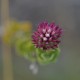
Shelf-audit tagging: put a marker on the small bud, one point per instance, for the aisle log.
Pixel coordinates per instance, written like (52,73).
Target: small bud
(44,38)
(47,35)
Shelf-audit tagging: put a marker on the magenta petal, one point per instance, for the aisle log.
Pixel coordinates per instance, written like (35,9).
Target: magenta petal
(52,25)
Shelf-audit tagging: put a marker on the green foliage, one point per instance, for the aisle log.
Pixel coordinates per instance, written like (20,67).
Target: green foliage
(45,57)
(25,48)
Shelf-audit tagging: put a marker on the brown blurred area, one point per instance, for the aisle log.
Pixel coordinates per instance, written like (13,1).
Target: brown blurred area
(66,13)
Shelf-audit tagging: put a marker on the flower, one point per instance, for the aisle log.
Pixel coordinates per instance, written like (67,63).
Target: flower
(47,36)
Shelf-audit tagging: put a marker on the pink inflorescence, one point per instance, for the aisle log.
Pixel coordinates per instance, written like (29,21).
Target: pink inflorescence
(47,36)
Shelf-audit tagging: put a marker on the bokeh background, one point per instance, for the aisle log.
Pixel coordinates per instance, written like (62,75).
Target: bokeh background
(66,13)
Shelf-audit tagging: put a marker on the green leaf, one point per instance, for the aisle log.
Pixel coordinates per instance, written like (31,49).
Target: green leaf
(25,48)
(45,57)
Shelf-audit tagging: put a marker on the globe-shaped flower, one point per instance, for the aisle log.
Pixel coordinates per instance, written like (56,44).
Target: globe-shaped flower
(47,36)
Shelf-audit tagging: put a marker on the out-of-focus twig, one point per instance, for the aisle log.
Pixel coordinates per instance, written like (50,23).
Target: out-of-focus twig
(7,62)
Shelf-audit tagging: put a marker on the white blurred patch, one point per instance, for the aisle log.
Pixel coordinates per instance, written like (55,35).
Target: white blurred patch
(34,68)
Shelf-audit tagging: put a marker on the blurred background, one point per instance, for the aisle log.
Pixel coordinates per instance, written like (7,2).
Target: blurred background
(66,13)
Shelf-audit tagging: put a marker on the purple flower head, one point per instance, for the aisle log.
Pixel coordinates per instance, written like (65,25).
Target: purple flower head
(47,36)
